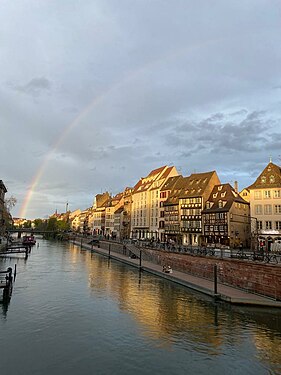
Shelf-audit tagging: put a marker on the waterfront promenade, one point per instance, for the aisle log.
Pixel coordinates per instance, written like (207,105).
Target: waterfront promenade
(223,293)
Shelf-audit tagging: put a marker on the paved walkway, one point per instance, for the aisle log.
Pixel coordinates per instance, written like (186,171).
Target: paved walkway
(224,292)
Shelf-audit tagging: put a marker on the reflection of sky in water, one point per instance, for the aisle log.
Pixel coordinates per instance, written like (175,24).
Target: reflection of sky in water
(74,304)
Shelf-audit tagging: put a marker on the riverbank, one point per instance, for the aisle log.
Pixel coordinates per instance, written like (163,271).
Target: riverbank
(219,291)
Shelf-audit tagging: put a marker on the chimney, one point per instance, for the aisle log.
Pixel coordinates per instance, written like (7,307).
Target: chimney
(236,186)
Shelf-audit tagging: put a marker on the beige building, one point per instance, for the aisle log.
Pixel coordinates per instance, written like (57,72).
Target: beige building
(146,203)
(265,201)
(98,213)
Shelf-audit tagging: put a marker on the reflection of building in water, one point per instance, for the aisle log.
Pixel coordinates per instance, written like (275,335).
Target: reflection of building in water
(164,310)
(269,348)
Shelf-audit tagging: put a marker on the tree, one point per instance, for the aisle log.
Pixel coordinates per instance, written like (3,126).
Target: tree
(10,203)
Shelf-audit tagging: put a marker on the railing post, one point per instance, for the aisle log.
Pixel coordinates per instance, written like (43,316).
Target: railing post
(215,279)
(15,272)
(81,242)
(109,248)
(140,259)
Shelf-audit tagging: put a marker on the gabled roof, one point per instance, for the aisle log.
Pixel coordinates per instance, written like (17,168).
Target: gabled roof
(171,182)
(196,184)
(3,187)
(146,183)
(269,178)
(178,189)
(223,193)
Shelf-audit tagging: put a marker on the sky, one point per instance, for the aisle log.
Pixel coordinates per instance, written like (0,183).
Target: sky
(94,94)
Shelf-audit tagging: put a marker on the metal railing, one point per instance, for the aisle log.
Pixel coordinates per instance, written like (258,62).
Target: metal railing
(272,257)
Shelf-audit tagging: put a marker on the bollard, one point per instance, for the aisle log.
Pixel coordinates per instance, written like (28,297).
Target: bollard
(215,279)
(15,272)
(109,250)
(140,259)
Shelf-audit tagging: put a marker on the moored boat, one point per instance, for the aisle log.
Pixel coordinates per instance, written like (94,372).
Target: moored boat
(29,240)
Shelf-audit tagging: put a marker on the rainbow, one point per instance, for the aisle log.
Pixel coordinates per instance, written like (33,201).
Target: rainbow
(36,178)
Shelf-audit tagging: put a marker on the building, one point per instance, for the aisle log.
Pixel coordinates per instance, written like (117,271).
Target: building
(265,201)
(145,202)
(125,218)
(226,218)
(3,191)
(98,211)
(171,192)
(193,196)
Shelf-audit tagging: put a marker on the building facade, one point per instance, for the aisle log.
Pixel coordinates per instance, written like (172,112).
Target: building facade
(198,187)
(3,191)
(265,201)
(146,203)
(226,218)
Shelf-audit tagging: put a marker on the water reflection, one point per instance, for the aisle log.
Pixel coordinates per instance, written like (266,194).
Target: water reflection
(4,305)
(176,316)
(70,304)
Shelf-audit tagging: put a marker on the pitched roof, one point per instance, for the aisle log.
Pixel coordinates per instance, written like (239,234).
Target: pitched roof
(171,182)
(223,193)
(146,183)
(196,184)
(178,189)
(269,178)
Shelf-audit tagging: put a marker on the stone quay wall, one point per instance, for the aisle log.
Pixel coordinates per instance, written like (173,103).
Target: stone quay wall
(255,277)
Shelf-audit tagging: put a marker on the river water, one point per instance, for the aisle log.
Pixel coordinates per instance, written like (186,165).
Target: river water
(73,312)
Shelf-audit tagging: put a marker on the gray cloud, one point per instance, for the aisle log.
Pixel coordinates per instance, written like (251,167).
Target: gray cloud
(102,92)
(34,87)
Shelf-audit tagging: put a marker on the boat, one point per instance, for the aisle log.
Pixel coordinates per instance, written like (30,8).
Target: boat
(29,240)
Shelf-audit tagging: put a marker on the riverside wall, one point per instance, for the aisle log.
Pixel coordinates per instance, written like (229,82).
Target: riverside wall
(255,277)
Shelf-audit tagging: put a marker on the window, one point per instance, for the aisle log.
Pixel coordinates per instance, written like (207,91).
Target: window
(278,225)
(263,179)
(220,204)
(268,225)
(258,209)
(215,195)
(271,179)
(267,209)
(259,224)
(266,194)
(276,194)
(257,194)
(277,209)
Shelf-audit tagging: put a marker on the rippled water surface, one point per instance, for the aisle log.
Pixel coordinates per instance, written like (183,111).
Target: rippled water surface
(73,312)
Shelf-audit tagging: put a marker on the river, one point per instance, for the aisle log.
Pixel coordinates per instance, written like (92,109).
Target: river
(73,312)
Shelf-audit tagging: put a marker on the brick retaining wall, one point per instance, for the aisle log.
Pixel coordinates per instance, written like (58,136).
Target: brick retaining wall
(254,277)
